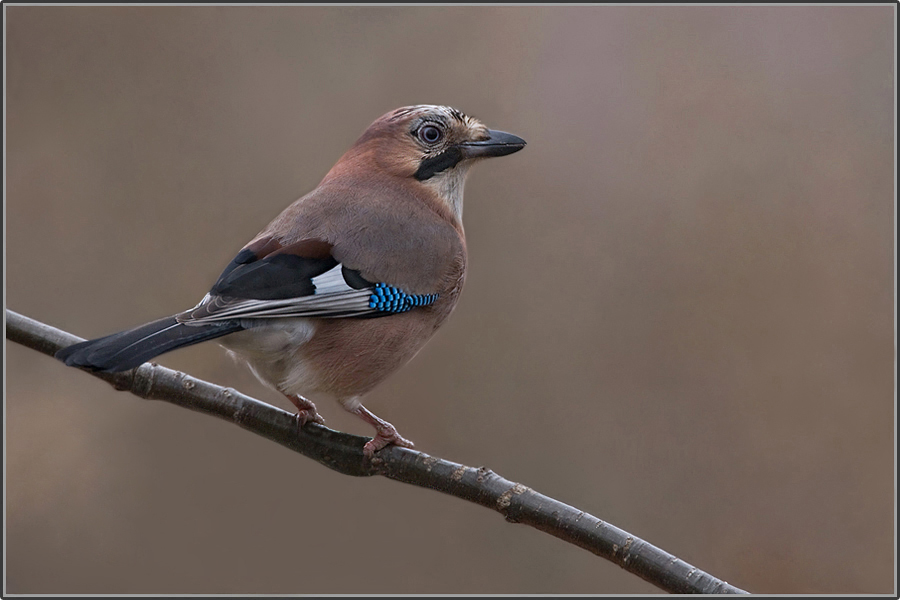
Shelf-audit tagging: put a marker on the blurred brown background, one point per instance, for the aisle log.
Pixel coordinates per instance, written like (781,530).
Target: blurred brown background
(679,313)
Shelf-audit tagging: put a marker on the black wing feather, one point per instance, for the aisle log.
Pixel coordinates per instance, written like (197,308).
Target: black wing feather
(272,278)
(281,274)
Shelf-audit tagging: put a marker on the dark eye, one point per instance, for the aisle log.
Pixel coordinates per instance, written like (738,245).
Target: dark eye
(430,134)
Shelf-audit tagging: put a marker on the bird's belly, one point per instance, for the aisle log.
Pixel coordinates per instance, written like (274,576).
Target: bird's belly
(339,358)
(271,348)
(351,356)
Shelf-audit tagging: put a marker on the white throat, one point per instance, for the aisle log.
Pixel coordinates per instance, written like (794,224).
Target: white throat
(449,187)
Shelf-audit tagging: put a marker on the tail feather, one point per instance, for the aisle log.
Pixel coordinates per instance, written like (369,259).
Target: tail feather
(128,349)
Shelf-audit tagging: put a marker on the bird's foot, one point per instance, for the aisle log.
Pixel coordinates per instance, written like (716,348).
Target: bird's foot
(384,438)
(305,416)
(385,433)
(306,411)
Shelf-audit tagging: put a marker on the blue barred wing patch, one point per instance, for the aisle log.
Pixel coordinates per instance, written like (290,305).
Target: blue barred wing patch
(387,298)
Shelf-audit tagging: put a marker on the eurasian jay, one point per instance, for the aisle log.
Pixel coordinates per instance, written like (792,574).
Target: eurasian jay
(348,283)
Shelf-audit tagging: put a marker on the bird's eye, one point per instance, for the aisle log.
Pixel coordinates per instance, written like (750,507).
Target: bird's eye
(430,134)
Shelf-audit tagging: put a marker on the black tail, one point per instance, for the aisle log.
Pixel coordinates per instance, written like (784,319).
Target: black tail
(128,349)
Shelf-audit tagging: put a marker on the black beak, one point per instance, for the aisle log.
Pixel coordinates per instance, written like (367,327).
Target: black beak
(499,143)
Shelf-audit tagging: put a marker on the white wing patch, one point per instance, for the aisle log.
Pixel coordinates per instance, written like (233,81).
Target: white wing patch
(332,282)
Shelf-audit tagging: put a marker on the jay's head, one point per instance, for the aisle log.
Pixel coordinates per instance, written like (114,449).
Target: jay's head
(427,145)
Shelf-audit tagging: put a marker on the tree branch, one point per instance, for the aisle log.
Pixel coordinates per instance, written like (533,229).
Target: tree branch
(343,453)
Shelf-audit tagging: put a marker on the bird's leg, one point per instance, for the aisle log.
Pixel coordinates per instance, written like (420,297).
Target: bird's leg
(385,433)
(306,410)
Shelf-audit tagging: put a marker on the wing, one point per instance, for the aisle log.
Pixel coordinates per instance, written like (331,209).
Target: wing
(270,280)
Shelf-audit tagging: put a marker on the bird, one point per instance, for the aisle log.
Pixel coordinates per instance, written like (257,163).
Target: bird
(349,281)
